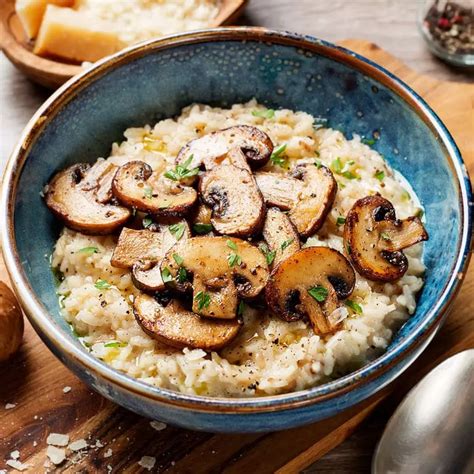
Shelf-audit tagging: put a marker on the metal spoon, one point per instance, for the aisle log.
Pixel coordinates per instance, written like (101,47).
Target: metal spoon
(432,431)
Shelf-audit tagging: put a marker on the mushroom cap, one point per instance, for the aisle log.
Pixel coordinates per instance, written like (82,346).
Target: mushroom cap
(280,235)
(374,238)
(209,258)
(308,193)
(237,203)
(11,323)
(146,276)
(211,149)
(76,195)
(135,185)
(287,289)
(177,327)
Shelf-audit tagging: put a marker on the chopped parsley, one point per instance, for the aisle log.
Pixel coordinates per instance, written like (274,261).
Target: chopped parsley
(420,213)
(58,275)
(241,308)
(202,228)
(88,250)
(177,230)
(147,222)
(368,141)
(340,220)
(318,163)
(102,284)
(166,275)
(319,293)
(178,259)
(203,300)
(182,171)
(268,113)
(356,307)
(380,175)
(148,192)
(234,259)
(385,236)
(182,275)
(277,157)
(286,244)
(115,344)
(231,245)
(344,169)
(269,255)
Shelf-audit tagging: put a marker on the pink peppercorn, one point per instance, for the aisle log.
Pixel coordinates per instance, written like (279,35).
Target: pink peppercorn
(444,23)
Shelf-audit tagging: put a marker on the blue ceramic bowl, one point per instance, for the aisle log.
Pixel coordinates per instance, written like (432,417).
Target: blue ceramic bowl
(155,80)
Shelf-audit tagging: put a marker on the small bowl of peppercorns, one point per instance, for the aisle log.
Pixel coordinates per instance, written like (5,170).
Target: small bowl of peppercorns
(448,28)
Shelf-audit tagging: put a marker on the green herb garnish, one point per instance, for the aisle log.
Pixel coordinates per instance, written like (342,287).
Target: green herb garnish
(202,228)
(203,300)
(234,259)
(318,163)
(268,114)
(58,275)
(182,171)
(277,158)
(115,344)
(340,220)
(177,230)
(343,170)
(231,245)
(269,255)
(102,284)
(368,141)
(420,213)
(380,175)
(182,275)
(148,192)
(166,275)
(385,236)
(286,244)
(178,259)
(147,222)
(88,250)
(319,293)
(357,308)
(241,308)
(336,165)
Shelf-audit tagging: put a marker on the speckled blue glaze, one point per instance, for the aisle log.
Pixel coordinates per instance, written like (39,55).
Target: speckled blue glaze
(154,81)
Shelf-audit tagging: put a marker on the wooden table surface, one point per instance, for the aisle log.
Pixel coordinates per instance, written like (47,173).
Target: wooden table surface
(389,23)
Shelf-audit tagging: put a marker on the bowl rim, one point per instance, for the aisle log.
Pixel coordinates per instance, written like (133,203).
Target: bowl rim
(61,343)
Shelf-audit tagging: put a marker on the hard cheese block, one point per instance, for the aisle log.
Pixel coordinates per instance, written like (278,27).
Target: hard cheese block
(30,13)
(76,36)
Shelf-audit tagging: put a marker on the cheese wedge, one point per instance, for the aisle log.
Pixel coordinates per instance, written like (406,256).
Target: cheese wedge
(30,13)
(75,36)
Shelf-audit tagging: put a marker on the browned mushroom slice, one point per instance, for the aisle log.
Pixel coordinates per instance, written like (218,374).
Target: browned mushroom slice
(146,276)
(99,179)
(237,204)
(218,271)
(374,238)
(137,245)
(279,190)
(135,185)
(177,327)
(212,149)
(310,284)
(79,206)
(308,194)
(280,235)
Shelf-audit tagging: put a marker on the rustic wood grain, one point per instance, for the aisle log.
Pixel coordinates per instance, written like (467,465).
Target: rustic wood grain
(34,379)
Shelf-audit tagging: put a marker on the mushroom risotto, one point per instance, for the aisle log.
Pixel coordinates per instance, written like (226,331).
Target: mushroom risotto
(236,252)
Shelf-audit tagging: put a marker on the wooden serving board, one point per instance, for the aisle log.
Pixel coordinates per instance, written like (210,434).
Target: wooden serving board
(34,380)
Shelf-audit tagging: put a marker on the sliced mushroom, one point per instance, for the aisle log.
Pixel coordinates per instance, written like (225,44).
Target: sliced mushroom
(237,204)
(212,149)
(308,194)
(219,270)
(77,196)
(11,323)
(310,284)
(135,185)
(177,327)
(137,245)
(374,238)
(280,236)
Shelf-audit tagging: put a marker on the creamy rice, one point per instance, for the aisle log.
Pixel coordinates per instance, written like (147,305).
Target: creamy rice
(269,356)
(138,20)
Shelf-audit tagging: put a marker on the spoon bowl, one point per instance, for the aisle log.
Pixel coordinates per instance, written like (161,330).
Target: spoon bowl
(433,428)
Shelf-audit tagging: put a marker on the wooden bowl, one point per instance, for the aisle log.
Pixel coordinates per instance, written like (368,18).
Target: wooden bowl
(51,72)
